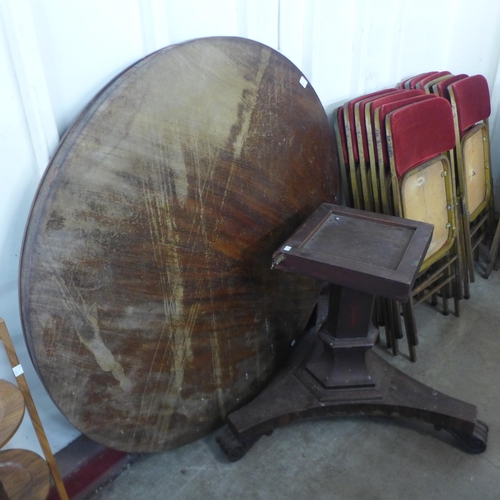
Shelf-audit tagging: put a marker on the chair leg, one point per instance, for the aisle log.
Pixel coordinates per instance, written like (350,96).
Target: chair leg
(411,329)
(445,290)
(456,299)
(496,267)
(493,253)
(395,326)
(457,288)
(387,322)
(491,224)
(450,287)
(444,293)
(397,317)
(464,237)
(454,285)
(379,312)
(468,246)
(476,254)
(459,265)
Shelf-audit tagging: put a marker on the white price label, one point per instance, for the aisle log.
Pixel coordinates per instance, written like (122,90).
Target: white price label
(18,370)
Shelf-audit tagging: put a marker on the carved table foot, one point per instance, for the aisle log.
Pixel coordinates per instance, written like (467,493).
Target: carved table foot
(235,446)
(474,442)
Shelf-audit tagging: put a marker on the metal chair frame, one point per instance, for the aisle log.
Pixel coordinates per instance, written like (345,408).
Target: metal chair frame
(478,222)
(440,271)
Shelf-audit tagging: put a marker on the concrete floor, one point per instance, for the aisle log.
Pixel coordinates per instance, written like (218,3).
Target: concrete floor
(362,457)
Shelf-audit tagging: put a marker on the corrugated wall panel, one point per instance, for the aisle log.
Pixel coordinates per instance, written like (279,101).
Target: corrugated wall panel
(83,45)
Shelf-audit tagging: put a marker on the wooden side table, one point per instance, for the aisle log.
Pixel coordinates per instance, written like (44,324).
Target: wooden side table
(335,372)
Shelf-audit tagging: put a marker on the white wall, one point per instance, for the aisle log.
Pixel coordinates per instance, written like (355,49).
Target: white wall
(56,54)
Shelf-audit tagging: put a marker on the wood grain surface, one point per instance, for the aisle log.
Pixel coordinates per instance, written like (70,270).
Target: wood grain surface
(11,410)
(33,412)
(147,299)
(24,475)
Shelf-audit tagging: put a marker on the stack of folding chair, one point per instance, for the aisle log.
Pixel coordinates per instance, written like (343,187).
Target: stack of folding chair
(421,151)
(441,87)
(378,176)
(470,100)
(425,81)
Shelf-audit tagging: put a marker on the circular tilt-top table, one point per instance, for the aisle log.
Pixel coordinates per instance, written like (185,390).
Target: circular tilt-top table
(147,300)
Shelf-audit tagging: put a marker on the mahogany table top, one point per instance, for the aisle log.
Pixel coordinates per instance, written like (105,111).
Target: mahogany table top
(147,299)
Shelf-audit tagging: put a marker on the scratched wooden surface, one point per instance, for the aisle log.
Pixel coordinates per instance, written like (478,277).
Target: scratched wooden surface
(147,299)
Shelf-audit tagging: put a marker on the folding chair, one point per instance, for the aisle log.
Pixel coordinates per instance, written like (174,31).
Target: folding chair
(419,138)
(356,172)
(410,83)
(425,83)
(379,114)
(345,129)
(441,88)
(470,101)
(378,110)
(341,140)
(368,169)
(387,311)
(359,177)
(369,139)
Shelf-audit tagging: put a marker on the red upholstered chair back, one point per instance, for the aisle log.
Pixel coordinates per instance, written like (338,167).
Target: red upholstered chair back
(411,83)
(421,83)
(472,98)
(405,84)
(442,87)
(394,97)
(350,117)
(387,108)
(420,132)
(388,99)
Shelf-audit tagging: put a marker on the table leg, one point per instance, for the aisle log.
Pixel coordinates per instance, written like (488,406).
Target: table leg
(336,373)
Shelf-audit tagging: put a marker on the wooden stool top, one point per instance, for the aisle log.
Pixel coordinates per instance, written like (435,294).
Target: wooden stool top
(374,253)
